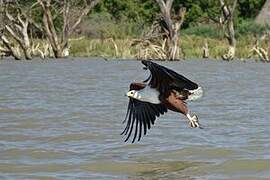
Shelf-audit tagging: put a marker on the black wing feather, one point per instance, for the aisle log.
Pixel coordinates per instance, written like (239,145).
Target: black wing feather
(141,115)
(129,116)
(133,119)
(144,123)
(136,130)
(164,79)
(140,130)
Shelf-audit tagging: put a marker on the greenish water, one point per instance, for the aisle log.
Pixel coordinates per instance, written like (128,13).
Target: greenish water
(62,120)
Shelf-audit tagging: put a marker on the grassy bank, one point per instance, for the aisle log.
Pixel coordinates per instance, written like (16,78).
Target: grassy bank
(192,40)
(190,44)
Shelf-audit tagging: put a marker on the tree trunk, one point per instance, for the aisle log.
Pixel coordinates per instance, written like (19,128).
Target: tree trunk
(14,51)
(172,28)
(229,28)
(59,43)
(232,41)
(205,50)
(261,52)
(50,29)
(18,28)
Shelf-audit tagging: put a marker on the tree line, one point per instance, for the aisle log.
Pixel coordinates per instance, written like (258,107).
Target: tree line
(198,11)
(24,22)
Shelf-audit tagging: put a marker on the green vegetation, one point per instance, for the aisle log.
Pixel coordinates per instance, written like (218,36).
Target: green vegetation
(112,26)
(197,11)
(126,20)
(192,40)
(192,47)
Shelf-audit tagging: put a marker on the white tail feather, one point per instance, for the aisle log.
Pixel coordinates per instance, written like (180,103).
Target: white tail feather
(195,94)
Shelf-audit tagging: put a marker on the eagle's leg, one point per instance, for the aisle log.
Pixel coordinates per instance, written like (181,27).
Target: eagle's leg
(193,121)
(175,103)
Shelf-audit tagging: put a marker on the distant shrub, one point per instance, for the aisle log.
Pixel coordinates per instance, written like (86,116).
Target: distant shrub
(204,30)
(104,26)
(242,28)
(248,27)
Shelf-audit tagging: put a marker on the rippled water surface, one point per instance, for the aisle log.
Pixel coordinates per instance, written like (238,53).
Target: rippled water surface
(62,119)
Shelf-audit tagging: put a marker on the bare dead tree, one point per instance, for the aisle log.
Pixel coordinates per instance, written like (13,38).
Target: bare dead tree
(71,14)
(162,41)
(1,14)
(18,29)
(171,26)
(261,52)
(205,50)
(226,20)
(15,31)
(147,49)
(2,50)
(258,50)
(10,49)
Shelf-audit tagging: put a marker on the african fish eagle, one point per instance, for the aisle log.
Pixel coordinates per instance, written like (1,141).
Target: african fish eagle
(164,89)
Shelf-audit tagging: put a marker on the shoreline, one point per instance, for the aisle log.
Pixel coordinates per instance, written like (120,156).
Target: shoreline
(191,47)
(107,59)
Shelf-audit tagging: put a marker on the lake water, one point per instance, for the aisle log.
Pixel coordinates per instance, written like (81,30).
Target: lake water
(62,119)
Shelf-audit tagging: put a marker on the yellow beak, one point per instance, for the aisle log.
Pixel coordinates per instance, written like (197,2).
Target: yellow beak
(128,94)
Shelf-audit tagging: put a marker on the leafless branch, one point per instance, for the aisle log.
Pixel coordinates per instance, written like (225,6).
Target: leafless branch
(71,20)
(13,50)
(234,6)
(228,26)
(88,7)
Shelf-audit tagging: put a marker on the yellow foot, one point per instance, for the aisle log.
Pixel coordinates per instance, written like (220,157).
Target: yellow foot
(193,121)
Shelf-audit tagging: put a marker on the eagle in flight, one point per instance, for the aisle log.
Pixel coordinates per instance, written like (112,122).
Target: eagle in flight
(164,89)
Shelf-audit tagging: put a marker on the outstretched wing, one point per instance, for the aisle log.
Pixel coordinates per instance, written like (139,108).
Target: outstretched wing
(140,115)
(164,79)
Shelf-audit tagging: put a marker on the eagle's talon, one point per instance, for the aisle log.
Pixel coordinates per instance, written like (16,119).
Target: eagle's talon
(190,124)
(193,121)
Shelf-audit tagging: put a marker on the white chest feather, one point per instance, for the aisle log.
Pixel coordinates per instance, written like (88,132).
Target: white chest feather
(149,94)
